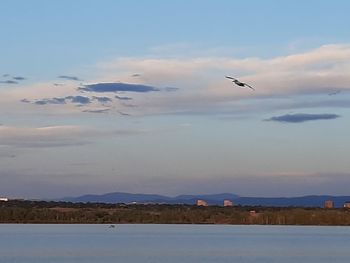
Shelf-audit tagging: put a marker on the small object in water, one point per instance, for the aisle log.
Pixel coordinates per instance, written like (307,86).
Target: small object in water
(111,226)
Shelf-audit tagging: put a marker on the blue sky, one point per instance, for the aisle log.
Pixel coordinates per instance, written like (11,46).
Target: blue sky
(132,96)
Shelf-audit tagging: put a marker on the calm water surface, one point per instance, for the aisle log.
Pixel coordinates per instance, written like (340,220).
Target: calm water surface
(173,243)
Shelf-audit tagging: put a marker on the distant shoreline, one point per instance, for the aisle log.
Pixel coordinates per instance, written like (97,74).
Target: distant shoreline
(41,212)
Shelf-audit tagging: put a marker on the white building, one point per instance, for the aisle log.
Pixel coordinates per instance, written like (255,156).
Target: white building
(228,202)
(3,199)
(202,203)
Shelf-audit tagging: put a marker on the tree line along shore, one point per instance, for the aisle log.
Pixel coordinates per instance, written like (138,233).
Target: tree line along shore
(41,212)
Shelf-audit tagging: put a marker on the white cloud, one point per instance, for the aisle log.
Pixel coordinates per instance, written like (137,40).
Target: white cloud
(288,73)
(203,86)
(201,82)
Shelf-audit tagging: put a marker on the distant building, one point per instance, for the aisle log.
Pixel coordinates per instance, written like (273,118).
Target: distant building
(347,204)
(329,204)
(202,203)
(228,203)
(3,199)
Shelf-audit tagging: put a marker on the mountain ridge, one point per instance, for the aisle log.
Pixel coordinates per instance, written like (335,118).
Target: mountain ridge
(212,199)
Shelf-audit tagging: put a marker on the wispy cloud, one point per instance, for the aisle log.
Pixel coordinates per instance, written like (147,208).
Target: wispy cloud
(69,77)
(51,136)
(118,86)
(25,100)
(102,99)
(56,136)
(48,101)
(170,89)
(79,99)
(73,99)
(303,117)
(9,82)
(204,88)
(58,84)
(124,113)
(199,86)
(122,97)
(97,111)
(19,78)
(15,78)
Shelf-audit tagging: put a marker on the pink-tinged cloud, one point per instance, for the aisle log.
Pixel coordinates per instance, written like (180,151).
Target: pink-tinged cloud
(200,84)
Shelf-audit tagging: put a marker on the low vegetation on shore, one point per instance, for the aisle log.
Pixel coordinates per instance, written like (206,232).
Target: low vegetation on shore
(42,212)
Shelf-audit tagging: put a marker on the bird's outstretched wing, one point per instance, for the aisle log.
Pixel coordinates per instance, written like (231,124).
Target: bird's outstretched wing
(236,81)
(228,77)
(245,84)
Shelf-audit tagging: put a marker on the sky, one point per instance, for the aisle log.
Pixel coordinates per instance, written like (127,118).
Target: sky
(131,96)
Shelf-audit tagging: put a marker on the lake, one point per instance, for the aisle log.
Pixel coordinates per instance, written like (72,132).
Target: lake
(173,243)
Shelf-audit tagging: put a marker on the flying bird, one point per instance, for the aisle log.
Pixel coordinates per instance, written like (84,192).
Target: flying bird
(241,84)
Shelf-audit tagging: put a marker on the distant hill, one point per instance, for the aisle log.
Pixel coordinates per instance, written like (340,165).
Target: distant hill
(212,199)
(119,197)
